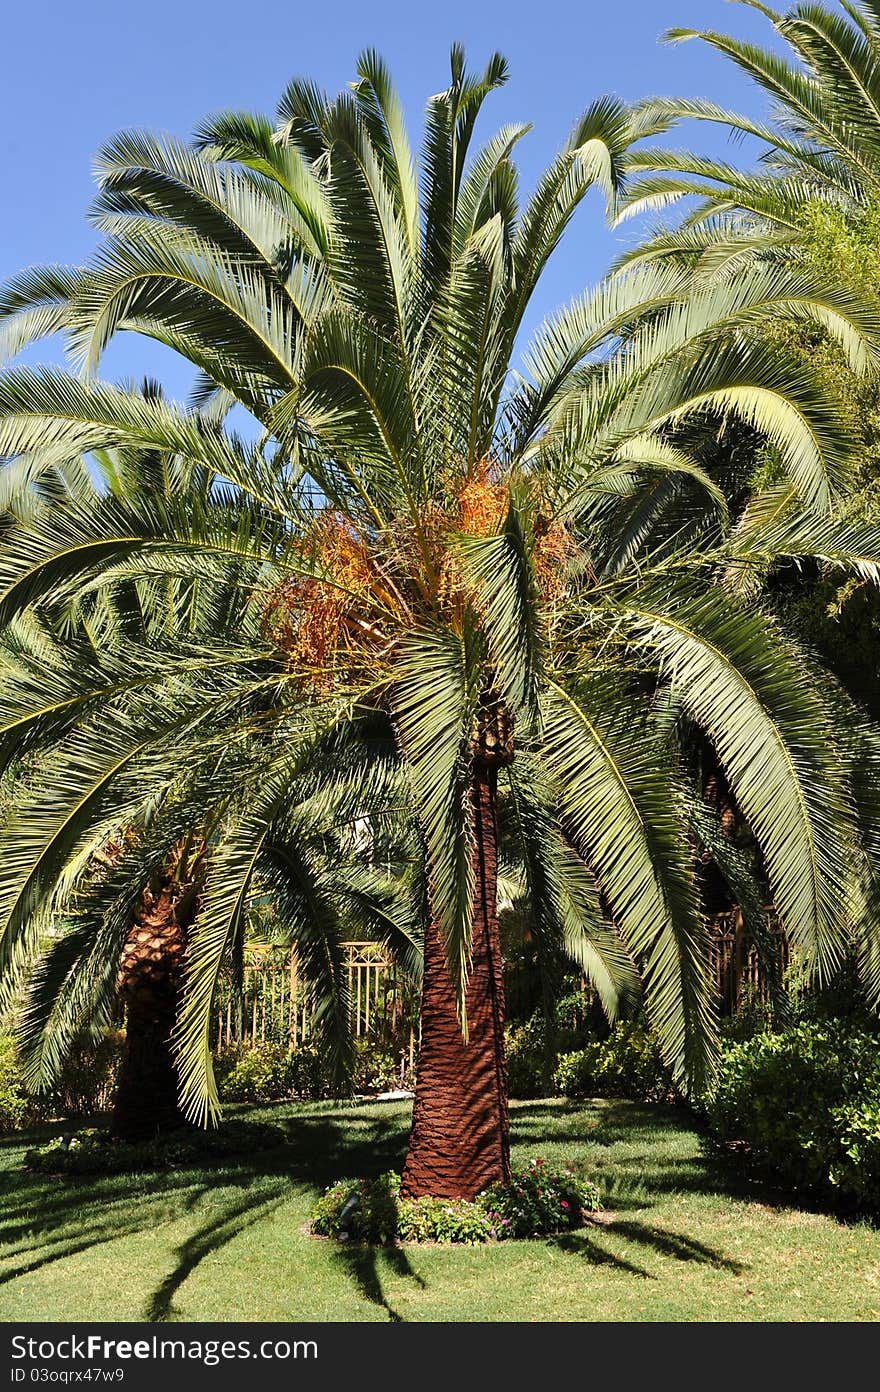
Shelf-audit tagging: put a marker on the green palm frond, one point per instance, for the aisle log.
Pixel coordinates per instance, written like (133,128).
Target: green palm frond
(822,143)
(619,809)
(739,683)
(566,914)
(434,702)
(501,572)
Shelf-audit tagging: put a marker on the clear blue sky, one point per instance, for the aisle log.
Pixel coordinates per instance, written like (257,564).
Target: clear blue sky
(74,74)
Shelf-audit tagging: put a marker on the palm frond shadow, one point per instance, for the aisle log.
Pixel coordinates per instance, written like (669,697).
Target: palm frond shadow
(579,1244)
(75,1220)
(45,1219)
(624,1134)
(677,1245)
(209,1238)
(363,1265)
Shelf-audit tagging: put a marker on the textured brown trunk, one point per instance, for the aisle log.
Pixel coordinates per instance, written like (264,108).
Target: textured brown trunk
(460,1133)
(714,889)
(717,793)
(146,1101)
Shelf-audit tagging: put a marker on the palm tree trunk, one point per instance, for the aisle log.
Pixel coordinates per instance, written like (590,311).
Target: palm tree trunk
(460,1135)
(146,1101)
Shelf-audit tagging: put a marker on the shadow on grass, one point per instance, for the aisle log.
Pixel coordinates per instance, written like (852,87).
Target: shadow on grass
(636,1153)
(640,1152)
(580,1244)
(47,1218)
(209,1238)
(362,1265)
(677,1245)
(586,1245)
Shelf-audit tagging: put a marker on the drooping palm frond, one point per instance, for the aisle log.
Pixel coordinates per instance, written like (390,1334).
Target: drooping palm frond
(619,810)
(566,916)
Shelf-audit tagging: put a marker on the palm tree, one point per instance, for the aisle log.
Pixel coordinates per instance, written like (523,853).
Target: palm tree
(820,146)
(128,894)
(120,888)
(478,564)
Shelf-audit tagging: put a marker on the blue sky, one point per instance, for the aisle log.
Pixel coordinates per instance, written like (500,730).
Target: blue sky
(76,74)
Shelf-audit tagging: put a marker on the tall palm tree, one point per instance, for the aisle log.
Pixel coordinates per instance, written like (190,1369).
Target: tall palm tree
(445,552)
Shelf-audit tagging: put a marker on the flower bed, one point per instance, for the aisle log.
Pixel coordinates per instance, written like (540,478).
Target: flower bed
(538,1201)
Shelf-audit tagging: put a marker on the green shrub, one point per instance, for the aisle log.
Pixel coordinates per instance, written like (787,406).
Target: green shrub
(270,1073)
(578,1014)
(260,1073)
(95,1152)
(309,1075)
(84,1086)
(379,1069)
(444,1220)
(538,1201)
(87,1079)
(525,1048)
(373,1217)
(626,1064)
(803,1108)
(856,1168)
(15,1107)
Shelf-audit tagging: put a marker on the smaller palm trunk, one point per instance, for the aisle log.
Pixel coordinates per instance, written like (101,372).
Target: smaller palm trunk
(151,965)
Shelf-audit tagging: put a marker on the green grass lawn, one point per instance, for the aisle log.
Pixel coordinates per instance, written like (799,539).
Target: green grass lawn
(677,1241)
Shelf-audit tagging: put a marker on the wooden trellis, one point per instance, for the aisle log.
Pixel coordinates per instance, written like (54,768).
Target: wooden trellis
(736,964)
(276,1006)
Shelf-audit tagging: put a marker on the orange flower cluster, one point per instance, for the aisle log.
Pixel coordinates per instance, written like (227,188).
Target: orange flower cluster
(479,509)
(308,617)
(554,550)
(481,504)
(325,626)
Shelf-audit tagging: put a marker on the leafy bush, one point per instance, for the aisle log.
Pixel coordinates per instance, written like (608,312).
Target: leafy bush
(260,1073)
(270,1073)
(526,1045)
(95,1152)
(87,1079)
(363,1210)
(444,1220)
(626,1064)
(538,1201)
(856,1170)
(379,1069)
(803,1108)
(84,1086)
(15,1108)
(308,1075)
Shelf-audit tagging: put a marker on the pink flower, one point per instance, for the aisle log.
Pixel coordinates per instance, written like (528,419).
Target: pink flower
(565,1203)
